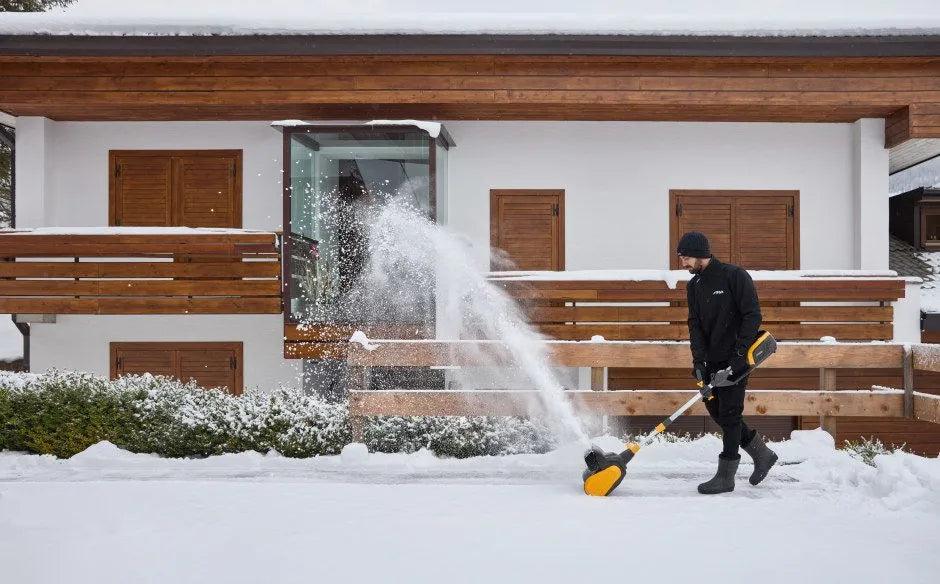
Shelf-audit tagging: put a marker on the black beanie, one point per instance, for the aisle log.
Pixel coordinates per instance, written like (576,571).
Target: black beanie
(694,244)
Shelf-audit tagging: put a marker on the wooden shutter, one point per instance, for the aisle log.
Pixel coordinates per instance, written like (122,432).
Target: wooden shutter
(528,225)
(209,364)
(757,230)
(763,233)
(712,215)
(210,367)
(189,188)
(206,188)
(135,359)
(141,191)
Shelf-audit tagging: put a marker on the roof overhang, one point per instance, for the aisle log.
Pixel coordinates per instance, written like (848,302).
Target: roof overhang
(477,44)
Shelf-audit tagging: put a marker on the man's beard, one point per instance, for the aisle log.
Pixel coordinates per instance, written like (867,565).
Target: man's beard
(696,270)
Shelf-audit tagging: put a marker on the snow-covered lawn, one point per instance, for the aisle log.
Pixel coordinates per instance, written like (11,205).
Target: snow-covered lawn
(110,516)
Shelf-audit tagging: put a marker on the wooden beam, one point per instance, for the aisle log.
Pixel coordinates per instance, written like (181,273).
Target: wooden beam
(908,375)
(679,314)
(927,407)
(148,269)
(827,383)
(144,305)
(926,357)
(619,354)
(882,403)
(598,87)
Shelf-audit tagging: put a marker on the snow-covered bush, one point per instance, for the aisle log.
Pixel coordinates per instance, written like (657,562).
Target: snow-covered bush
(866,449)
(458,437)
(63,413)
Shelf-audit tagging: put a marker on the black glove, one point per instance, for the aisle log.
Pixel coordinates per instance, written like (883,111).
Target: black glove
(698,371)
(738,365)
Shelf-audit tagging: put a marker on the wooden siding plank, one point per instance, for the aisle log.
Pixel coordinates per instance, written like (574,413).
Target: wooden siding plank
(154,305)
(70,269)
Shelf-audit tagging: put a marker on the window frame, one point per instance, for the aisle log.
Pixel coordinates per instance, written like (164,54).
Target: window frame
(356,130)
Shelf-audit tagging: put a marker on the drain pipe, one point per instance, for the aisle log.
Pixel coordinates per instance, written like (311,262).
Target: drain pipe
(24,330)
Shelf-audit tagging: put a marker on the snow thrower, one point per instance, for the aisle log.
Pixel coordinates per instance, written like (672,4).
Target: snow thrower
(605,470)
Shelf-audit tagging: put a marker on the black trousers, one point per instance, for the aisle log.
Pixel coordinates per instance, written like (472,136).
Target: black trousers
(726,409)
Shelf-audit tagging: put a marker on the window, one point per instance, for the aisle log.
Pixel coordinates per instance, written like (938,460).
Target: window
(335,176)
(757,230)
(187,188)
(931,225)
(209,364)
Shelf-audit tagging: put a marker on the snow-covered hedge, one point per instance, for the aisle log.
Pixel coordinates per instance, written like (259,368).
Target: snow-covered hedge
(63,413)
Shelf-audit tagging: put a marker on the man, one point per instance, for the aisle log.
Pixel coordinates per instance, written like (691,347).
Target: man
(724,317)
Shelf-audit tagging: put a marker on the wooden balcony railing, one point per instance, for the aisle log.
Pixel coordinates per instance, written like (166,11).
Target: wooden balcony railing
(132,271)
(856,308)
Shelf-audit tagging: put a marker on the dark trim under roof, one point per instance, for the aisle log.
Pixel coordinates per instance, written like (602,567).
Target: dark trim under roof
(455,44)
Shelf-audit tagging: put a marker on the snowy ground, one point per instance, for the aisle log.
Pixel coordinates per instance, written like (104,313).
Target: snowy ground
(110,516)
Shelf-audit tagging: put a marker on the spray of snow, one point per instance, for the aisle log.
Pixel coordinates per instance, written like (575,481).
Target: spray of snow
(418,271)
(404,272)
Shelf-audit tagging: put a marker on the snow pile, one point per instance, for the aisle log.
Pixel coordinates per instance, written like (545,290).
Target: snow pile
(680,17)
(361,338)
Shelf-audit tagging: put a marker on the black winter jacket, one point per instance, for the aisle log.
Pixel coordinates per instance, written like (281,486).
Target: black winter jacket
(724,312)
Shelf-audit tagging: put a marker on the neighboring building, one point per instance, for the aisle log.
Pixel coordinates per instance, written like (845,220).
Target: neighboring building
(779,148)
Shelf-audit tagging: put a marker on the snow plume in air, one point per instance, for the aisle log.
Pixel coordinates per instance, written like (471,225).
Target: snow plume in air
(418,278)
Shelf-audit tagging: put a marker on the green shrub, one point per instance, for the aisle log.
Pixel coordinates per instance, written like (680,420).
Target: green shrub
(866,449)
(62,413)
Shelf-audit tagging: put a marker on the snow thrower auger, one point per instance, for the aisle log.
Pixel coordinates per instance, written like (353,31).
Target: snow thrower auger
(605,470)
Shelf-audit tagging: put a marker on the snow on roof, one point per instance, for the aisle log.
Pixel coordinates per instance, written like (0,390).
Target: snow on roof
(432,128)
(925,174)
(628,17)
(930,290)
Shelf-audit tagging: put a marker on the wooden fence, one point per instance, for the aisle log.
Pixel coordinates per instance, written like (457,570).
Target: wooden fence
(202,272)
(827,402)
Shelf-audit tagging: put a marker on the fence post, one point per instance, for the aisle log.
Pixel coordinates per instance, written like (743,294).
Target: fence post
(827,382)
(908,382)
(598,383)
(356,380)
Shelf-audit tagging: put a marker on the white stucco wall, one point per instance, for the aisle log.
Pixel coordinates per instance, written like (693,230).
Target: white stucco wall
(77,164)
(82,343)
(616,178)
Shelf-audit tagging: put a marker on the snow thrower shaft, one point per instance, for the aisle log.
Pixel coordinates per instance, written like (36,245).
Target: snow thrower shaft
(605,470)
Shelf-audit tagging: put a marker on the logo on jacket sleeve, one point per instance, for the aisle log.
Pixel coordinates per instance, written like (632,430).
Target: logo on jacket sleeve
(718,292)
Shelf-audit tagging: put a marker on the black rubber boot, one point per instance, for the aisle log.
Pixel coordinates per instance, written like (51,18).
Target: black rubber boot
(723,481)
(764,458)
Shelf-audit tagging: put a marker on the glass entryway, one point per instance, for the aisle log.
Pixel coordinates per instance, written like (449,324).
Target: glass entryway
(335,177)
